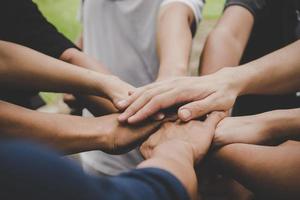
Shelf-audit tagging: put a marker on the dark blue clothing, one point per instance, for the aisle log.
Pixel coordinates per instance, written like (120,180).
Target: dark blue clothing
(31,172)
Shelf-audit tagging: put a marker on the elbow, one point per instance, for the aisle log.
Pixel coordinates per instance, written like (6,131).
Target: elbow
(69,55)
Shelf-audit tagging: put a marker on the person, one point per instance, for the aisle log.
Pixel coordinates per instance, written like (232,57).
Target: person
(40,35)
(168,173)
(247,148)
(218,91)
(141,42)
(249,30)
(24,70)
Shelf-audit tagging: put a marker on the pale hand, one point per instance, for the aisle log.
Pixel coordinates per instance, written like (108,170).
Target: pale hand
(201,95)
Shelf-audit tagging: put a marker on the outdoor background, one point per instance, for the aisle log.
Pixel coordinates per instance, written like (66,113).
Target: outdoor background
(64,14)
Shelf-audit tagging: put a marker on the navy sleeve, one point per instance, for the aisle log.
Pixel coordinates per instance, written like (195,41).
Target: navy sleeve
(148,184)
(28,171)
(256,7)
(22,23)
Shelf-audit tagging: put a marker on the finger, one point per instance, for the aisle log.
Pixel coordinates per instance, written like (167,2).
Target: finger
(124,103)
(197,109)
(142,100)
(156,104)
(214,118)
(130,92)
(133,95)
(148,146)
(159,116)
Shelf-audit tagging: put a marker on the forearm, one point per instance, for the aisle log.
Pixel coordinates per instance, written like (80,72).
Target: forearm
(285,124)
(279,167)
(179,163)
(221,49)
(226,43)
(24,67)
(69,134)
(78,58)
(276,73)
(174,39)
(96,105)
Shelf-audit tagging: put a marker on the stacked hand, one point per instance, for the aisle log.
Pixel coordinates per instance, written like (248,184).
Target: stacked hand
(116,138)
(196,136)
(115,89)
(201,95)
(256,129)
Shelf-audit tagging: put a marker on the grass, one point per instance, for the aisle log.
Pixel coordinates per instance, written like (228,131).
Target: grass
(64,14)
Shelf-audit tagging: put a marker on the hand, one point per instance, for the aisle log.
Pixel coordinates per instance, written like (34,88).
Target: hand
(255,129)
(201,95)
(119,138)
(194,135)
(116,89)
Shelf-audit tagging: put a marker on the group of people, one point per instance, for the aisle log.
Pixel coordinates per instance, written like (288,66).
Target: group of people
(148,129)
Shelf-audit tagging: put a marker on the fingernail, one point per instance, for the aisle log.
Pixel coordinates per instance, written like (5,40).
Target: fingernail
(159,116)
(122,117)
(122,103)
(185,114)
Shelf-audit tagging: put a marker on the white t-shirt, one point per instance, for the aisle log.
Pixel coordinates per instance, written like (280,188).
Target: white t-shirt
(121,34)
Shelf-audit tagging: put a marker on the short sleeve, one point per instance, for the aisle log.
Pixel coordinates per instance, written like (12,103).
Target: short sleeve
(195,5)
(256,7)
(23,23)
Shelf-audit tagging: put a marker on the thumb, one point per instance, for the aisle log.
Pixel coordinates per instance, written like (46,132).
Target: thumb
(214,118)
(197,109)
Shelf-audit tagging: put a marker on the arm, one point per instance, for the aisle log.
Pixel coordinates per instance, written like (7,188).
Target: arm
(279,166)
(42,169)
(176,147)
(226,43)
(19,65)
(174,39)
(72,134)
(218,91)
(96,105)
(268,128)
(281,65)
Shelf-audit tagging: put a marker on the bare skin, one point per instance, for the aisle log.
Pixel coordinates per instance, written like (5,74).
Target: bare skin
(272,127)
(225,44)
(174,21)
(181,144)
(279,166)
(24,67)
(19,68)
(218,91)
(72,134)
(174,39)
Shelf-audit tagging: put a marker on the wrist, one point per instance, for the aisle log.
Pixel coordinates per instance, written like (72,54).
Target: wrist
(177,159)
(178,151)
(234,79)
(284,123)
(171,71)
(101,84)
(86,135)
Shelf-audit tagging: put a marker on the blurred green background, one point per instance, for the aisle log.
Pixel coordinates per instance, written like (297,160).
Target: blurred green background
(64,14)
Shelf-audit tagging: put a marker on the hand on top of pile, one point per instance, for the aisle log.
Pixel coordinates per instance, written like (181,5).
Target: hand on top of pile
(199,96)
